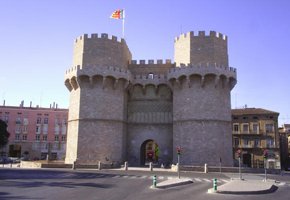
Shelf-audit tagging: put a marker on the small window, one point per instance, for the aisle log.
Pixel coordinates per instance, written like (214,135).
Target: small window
(45,121)
(63,138)
(245,128)
(257,143)
(255,128)
(18,120)
(270,143)
(37,137)
(38,129)
(269,128)
(237,142)
(44,137)
(24,137)
(236,128)
(151,76)
(38,121)
(17,137)
(246,142)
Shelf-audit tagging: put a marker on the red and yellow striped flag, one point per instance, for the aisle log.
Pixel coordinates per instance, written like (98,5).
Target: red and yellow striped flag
(118,14)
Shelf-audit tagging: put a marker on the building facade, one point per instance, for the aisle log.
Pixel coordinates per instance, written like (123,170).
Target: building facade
(284,133)
(254,131)
(140,112)
(35,132)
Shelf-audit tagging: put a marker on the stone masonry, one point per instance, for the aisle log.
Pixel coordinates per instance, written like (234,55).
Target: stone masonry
(119,106)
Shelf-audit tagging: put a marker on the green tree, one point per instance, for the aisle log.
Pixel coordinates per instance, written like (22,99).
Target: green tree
(4,134)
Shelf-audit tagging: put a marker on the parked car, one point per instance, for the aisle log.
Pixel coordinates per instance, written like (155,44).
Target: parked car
(5,160)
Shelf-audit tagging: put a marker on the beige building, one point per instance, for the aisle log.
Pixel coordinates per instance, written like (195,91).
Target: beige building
(255,130)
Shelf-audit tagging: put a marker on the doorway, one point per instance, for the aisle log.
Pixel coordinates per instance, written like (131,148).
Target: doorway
(247,160)
(149,152)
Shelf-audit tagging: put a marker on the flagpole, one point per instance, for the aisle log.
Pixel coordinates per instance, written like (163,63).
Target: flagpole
(123,24)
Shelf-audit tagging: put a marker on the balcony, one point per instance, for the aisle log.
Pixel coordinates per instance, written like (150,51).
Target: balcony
(246,133)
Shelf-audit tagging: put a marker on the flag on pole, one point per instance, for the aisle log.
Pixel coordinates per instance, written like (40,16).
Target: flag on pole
(118,14)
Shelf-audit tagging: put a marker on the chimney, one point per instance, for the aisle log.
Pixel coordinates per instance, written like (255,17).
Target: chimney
(4,102)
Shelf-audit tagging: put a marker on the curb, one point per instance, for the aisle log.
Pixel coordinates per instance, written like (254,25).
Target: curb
(168,184)
(267,191)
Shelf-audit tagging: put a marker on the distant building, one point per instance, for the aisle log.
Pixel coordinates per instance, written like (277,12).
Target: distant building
(284,133)
(35,132)
(256,130)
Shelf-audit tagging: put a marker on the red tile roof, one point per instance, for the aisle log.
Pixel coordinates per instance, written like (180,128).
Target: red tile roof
(252,111)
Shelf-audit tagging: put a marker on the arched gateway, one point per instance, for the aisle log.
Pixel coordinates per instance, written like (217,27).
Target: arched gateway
(149,152)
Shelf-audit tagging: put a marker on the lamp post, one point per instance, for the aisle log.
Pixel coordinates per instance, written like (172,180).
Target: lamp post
(239,156)
(265,154)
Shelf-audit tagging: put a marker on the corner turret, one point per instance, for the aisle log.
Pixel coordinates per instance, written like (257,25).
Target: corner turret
(201,49)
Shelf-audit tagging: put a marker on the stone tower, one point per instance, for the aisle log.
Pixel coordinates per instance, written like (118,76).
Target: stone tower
(121,109)
(97,112)
(201,98)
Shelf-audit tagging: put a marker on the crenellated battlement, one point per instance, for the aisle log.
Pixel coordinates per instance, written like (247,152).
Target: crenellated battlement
(102,36)
(201,34)
(97,70)
(202,70)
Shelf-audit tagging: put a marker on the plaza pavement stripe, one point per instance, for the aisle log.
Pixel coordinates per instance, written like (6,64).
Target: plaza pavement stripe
(67,175)
(143,177)
(116,176)
(282,183)
(207,180)
(160,177)
(133,177)
(226,181)
(197,179)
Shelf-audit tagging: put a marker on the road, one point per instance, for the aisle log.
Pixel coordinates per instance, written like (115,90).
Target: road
(116,185)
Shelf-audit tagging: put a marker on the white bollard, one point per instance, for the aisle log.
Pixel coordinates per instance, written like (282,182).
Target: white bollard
(126,166)
(151,166)
(99,165)
(205,168)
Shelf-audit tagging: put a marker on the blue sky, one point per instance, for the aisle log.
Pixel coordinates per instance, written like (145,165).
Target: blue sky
(37,37)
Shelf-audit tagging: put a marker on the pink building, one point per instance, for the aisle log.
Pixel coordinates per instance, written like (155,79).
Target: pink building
(35,132)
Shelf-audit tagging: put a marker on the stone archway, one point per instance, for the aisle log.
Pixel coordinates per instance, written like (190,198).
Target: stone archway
(149,152)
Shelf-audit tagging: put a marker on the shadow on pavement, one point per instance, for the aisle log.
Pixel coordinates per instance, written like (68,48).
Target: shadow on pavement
(6,195)
(33,184)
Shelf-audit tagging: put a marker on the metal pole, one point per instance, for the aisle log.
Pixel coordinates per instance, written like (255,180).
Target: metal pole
(240,168)
(220,165)
(178,166)
(265,166)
